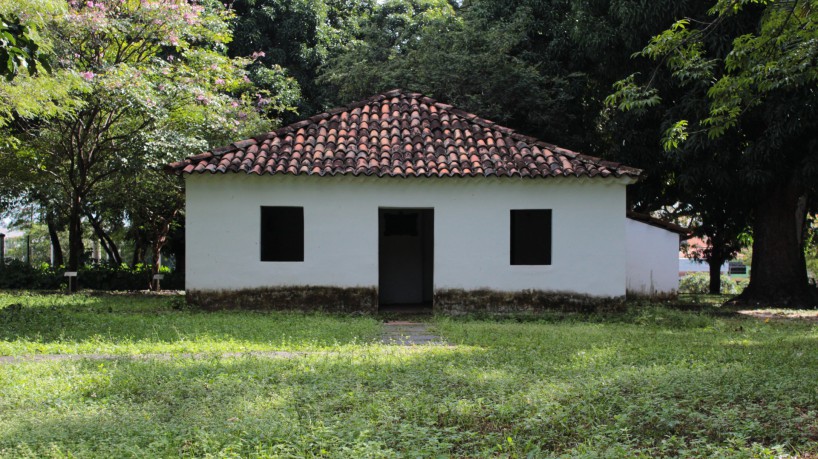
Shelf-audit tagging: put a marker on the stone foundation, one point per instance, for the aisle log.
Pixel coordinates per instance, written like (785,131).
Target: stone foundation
(294,298)
(365,300)
(456,301)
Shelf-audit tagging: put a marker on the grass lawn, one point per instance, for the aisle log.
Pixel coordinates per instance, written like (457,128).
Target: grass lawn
(128,324)
(652,382)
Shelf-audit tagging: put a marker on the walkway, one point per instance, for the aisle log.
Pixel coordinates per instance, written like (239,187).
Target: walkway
(396,332)
(406,333)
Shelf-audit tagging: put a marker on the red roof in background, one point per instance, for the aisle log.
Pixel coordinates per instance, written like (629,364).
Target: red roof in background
(399,134)
(693,246)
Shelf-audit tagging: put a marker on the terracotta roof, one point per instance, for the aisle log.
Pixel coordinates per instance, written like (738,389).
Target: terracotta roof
(399,134)
(653,221)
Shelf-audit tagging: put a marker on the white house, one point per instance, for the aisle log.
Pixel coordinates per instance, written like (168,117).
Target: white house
(652,248)
(399,199)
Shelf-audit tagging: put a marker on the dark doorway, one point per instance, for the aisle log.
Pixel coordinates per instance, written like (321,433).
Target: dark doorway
(405,258)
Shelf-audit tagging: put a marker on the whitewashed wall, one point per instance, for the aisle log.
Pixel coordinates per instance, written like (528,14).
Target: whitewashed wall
(653,266)
(471,231)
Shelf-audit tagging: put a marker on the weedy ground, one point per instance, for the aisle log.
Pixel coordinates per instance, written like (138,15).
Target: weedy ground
(652,382)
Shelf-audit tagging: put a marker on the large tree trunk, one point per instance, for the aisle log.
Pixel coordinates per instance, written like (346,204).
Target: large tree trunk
(779,272)
(179,249)
(55,240)
(160,238)
(156,260)
(138,250)
(108,244)
(75,247)
(715,274)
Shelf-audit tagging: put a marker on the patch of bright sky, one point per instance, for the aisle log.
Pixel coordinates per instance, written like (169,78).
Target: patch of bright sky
(5,229)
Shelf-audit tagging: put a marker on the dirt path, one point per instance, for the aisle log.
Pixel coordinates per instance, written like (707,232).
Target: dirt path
(399,333)
(782,314)
(407,333)
(163,356)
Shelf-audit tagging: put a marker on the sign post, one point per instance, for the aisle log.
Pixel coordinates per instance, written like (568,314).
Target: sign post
(156,279)
(72,281)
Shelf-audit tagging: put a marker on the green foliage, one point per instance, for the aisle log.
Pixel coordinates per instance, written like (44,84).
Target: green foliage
(18,51)
(39,243)
(699,283)
(130,324)
(775,57)
(675,136)
(507,61)
(778,56)
(19,275)
(811,247)
(141,84)
(630,96)
(16,274)
(104,277)
(738,128)
(655,383)
(296,37)
(377,56)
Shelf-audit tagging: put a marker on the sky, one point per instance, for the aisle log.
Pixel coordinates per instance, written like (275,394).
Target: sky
(5,230)
(9,233)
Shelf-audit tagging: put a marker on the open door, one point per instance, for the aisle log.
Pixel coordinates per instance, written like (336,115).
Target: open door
(405,257)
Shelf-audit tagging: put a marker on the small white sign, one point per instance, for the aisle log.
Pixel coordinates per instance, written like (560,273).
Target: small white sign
(158,276)
(70,274)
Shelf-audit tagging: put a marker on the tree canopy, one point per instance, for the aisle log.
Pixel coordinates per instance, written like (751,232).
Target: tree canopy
(759,98)
(134,85)
(713,99)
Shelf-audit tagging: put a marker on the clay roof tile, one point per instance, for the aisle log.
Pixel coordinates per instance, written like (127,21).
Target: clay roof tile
(398,133)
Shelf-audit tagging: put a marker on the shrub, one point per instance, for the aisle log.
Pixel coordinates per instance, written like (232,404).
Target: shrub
(700,283)
(17,275)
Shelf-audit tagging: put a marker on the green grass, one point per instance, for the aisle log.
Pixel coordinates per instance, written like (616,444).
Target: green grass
(127,324)
(703,299)
(652,382)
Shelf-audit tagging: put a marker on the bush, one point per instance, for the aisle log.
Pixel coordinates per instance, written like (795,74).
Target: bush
(17,275)
(700,283)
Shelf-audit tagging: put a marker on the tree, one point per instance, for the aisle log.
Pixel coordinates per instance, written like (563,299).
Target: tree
(135,75)
(155,208)
(762,92)
(300,36)
(18,50)
(503,60)
(373,60)
(811,248)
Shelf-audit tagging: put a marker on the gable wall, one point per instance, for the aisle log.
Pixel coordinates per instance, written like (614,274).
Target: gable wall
(471,231)
(653,266)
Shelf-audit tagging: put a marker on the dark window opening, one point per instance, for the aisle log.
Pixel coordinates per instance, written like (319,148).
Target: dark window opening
(531,237)
(282,234)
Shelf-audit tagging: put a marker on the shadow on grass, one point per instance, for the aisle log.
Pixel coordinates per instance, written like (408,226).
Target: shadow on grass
(430,401)
(142,321)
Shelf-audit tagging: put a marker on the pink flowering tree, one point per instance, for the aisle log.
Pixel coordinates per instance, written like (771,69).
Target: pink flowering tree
(137,84)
